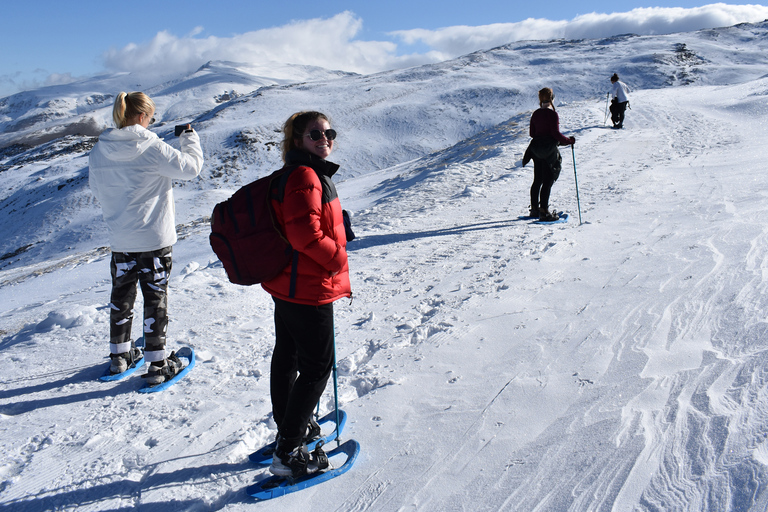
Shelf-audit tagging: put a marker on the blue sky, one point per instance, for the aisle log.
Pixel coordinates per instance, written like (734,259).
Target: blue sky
(49,42)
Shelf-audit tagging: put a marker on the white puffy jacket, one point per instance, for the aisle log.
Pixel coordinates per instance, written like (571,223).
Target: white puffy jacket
(130,173)
(619,91)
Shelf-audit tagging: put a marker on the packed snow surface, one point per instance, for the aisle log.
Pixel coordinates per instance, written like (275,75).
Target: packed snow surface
(618,361)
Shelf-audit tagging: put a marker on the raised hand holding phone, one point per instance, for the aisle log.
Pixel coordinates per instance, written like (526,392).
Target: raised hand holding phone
(180,128)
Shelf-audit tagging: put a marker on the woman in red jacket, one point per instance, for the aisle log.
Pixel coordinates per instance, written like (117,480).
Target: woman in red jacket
(545,130)
(311,218)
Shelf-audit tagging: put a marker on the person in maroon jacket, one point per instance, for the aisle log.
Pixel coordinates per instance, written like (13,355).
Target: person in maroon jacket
(310,216)
(545,131)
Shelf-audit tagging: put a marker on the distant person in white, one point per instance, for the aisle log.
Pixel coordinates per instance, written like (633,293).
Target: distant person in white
(619,102)
(131,173)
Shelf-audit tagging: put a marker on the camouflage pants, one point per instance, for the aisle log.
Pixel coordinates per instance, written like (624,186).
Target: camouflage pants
(151,270)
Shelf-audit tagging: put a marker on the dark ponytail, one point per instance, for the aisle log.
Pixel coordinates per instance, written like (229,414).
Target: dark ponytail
(546,95)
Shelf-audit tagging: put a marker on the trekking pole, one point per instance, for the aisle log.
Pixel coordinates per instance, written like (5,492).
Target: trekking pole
(605,119)
(576,180)
(336,390)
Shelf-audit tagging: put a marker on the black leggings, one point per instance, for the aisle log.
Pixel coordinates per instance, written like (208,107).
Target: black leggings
(617,113)
(301,364)
(543,179)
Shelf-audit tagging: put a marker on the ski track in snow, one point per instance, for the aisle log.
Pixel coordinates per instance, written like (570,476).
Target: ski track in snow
(486,363)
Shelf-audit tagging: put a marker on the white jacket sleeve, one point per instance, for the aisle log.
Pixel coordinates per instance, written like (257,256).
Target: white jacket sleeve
(185,164)
(619,92)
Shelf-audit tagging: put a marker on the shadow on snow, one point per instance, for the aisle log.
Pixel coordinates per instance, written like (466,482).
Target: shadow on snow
(393,238)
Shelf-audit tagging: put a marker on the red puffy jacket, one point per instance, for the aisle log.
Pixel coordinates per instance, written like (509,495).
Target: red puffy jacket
(310,216)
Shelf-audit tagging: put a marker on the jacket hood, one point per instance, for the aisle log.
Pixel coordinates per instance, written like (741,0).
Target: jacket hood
(126,143)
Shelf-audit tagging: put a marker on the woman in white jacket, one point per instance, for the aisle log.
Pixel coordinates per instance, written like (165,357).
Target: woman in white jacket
(131,173)
(619,102)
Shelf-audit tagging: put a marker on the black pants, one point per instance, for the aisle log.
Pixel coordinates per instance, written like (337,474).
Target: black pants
(151,271)
(543,179)
(617,113)
(301,364)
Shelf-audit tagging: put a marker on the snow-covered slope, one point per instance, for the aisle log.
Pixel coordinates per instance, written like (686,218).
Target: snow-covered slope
(486,363)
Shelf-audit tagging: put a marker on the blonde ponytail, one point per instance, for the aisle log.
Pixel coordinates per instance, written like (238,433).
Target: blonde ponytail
(129,105)
(118,111)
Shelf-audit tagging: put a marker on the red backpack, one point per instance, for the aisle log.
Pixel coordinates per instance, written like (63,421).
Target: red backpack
(245,234)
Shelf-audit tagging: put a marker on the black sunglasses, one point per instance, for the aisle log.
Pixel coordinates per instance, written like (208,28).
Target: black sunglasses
(316,135)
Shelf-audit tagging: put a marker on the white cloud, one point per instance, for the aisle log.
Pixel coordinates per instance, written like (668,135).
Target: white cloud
(331,42)
(459,40)
(59,79)
(18,81)
(195,31)
(658,20)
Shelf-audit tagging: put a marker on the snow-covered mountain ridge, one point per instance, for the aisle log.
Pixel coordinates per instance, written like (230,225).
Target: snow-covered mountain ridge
(408,113)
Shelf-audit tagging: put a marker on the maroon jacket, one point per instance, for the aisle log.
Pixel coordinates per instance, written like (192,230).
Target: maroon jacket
(546,123)
(310,216)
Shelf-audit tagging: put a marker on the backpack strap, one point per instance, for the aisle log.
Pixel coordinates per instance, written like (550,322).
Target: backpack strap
(282,182)
(278,193)
(294,274)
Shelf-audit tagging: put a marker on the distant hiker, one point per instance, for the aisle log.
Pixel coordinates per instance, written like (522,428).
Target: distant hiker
(131,173)
(545,130)
(619,102)
(311,217)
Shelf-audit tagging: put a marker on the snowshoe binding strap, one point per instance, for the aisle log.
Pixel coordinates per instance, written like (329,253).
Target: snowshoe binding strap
(319,458)
(313,431)
(159,374)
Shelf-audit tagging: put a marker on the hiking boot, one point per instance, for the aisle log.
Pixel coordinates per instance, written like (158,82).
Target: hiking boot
(159,373)
(548,216)
(533,212)
(298,462)
(314,432)
(121,362)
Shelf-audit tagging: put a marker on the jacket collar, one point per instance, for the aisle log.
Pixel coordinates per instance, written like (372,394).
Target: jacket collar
(299,157)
